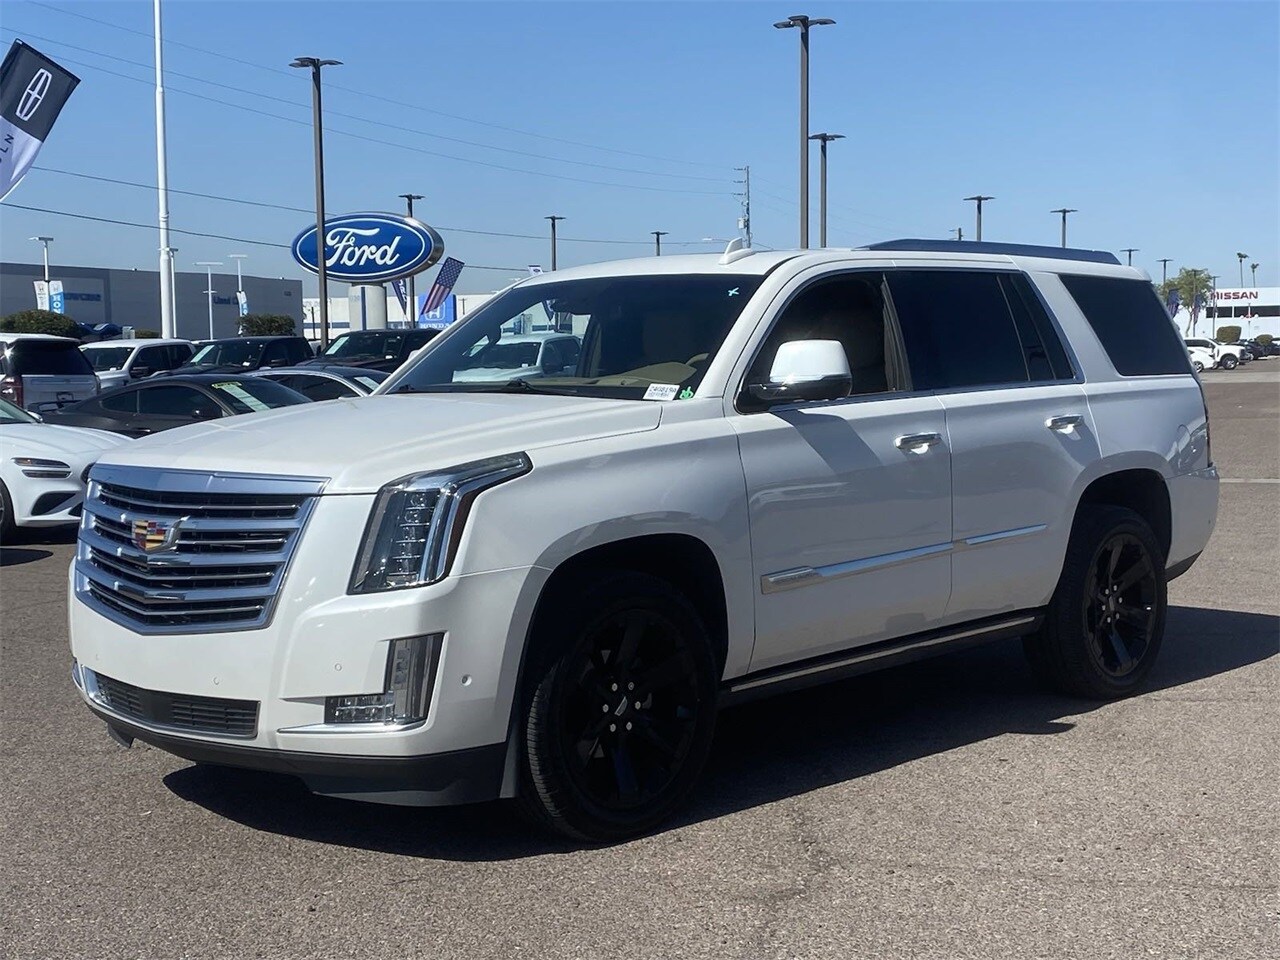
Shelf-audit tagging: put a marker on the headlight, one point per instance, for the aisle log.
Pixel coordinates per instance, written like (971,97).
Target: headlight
(417,522)
(38,469)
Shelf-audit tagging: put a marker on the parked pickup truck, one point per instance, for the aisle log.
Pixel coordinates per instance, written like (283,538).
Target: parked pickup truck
(763,470)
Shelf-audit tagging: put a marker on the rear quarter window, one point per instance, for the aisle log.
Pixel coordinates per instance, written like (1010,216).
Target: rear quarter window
(1131,323)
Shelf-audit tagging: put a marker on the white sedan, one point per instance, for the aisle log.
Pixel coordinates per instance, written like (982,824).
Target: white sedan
(42,469)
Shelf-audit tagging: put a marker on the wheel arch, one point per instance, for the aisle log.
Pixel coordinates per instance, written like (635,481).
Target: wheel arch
(1140,488)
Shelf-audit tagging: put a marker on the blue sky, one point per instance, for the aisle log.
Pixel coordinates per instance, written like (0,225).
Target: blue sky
(1158,121)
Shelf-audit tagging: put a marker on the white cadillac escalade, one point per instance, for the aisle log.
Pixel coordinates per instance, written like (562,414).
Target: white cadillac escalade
(741,474)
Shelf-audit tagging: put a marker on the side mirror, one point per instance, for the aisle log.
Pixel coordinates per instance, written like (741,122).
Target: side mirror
(205,414)
(805,370)
(139,371)
(278,362)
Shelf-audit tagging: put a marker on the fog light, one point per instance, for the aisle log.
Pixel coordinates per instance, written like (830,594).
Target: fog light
(410,678)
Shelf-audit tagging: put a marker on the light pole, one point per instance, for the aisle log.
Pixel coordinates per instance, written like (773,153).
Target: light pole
(1064,211)
(168,326)
(46,241)
(1213,301)
(1253,269)
(410,288)
(173,285)
(554,220)
(804,23)
(979,199)
(959,232)
(1242,257)
(209,265)
(1164,269)
(314,64)
(823,139)
(1129,250)
(657,241)
(237,257)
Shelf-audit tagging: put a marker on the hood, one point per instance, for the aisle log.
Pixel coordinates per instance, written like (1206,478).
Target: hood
(73,445)
(362,443)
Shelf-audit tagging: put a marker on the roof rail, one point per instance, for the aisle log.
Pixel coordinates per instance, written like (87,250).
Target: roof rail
(1008,249)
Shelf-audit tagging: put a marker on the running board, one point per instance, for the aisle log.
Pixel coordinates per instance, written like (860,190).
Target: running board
(878,656)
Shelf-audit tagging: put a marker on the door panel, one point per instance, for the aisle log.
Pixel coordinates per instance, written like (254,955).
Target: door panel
(850,532)
(1013,479)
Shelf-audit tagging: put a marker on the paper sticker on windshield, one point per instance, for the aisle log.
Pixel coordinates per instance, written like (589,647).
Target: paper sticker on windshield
(243,395)
(661,391)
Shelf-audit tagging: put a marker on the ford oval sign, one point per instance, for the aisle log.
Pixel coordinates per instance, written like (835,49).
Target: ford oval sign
(370,247)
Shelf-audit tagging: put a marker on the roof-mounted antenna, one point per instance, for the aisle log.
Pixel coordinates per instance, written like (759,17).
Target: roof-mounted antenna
(736,250)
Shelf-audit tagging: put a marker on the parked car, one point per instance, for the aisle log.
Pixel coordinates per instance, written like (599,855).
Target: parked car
(42,373)
(116,362)
(42,470)
(377,349)
(241,354)
(766,470)
(524,356)
(326,383)
(162,403)
(1256,350)
(1225,356)
(1201,359)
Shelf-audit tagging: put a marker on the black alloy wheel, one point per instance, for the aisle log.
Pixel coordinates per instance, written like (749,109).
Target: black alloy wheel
(1105,623)
(1120,605)
(620,723)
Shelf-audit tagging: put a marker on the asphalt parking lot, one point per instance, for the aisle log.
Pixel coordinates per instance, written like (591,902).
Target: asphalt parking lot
(942,810)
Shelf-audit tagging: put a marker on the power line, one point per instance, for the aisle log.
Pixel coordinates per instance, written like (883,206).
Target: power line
(385,99)
(377,123)
(189,233)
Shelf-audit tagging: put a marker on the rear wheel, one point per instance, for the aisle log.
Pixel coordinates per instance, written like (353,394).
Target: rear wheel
(1228,363)
(620,709)
(1105,623)
(1197,366)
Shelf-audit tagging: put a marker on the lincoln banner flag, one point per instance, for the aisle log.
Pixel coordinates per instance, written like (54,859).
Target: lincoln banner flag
(32,91)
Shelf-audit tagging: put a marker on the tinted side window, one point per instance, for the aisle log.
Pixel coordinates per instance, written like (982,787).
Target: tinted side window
(320,388)
(49,358)
(1046,357)
(275,354)
(957,329)
(1132,324)
(173,401)
(126,402)
(298,351)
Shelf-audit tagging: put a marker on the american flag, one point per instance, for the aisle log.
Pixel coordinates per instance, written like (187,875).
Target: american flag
(445,279)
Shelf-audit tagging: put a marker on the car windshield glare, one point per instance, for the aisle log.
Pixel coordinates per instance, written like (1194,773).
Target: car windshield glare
(245,353)
(249,395)
(365,345)
(13,414)
(601,336)
(108,358)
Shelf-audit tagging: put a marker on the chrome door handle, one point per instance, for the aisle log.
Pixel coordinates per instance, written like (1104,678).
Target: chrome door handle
(913,440)
(1064,424)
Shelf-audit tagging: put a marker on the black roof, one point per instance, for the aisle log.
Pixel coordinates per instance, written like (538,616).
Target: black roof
(1008,249)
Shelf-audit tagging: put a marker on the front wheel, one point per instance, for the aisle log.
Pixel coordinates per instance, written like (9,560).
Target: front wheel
(1228,363)
(1105,623)
(621,706)
(1197,366)
(8,526)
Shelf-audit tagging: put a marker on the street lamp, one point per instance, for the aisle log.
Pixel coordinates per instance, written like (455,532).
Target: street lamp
(46,241)
(1129,250)
(314,64)
(1253,269)
(823,139)
(959,232)
(980,200)
(554,220)
(173,287)
(804,23)
(1064,211)
(657,241)
(209,265)
(1242,257)
(411,288)
(1164,269)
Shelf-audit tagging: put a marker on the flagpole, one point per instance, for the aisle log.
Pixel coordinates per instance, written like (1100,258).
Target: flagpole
(162,183)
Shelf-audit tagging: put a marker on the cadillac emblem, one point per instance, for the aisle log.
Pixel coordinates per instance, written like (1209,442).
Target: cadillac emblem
(155,536)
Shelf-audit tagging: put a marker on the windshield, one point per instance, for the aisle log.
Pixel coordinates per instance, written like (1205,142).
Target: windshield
(11,414)
(386,345)
(244,353)
(250,395)
(108,358)
(54,358)
(647,337)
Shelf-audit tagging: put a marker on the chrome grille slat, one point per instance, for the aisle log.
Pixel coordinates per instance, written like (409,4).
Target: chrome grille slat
(221,570)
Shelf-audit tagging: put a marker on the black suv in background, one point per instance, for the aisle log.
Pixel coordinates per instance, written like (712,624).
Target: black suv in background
(376,349)
(239,354)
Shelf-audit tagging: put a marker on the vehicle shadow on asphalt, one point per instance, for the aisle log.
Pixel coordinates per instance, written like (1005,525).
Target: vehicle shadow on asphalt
(16,556)
(765,751)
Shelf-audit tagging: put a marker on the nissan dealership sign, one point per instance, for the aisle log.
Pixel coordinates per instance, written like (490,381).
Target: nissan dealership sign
(369,247)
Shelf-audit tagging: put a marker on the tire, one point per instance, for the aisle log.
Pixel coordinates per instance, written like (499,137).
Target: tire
(1095,642)
(8,528)
(1228,363)
(1197,366)
(596,766)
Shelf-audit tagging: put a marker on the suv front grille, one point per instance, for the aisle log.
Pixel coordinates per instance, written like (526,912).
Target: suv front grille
(233,718)
(164,551)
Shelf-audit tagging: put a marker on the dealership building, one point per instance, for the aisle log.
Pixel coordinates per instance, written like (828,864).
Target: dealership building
(131,298)
(1254,310)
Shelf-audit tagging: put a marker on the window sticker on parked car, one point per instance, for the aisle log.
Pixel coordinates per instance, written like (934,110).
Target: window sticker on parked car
(661,391)
(241,394)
